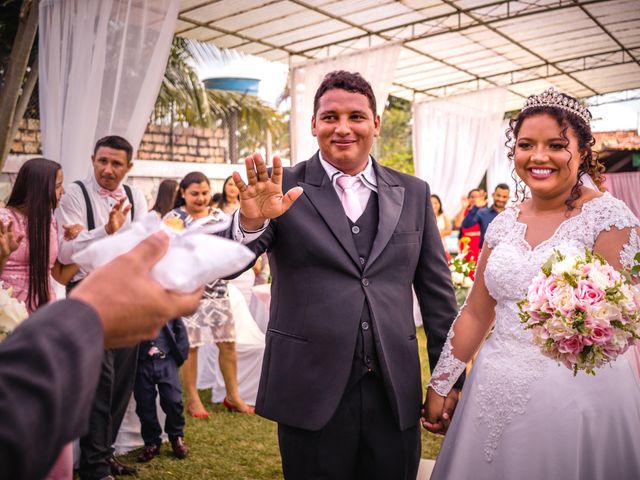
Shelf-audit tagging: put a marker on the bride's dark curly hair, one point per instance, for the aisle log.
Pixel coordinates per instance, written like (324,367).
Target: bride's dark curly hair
(566,119)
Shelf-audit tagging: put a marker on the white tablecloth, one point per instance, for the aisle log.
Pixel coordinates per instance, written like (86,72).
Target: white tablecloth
(259,305)
(129,437)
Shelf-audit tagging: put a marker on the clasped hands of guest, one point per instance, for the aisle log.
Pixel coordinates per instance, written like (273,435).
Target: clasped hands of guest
(437,410)
(261,197)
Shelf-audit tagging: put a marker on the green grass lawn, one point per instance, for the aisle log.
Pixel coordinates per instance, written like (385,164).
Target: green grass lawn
(230,446)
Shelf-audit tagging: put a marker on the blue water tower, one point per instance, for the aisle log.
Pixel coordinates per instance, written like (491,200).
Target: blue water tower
(247,86)
(233,84)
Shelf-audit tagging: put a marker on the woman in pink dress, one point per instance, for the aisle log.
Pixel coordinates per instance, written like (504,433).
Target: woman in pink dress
(29,248)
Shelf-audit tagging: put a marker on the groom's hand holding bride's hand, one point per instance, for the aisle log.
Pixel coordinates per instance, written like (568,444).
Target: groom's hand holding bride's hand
(437,411)
(261,197)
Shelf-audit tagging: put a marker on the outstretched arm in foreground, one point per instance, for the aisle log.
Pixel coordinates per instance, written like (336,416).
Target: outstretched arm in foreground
(50,365)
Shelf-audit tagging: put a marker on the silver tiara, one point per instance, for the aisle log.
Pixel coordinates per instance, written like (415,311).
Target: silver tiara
(552,98)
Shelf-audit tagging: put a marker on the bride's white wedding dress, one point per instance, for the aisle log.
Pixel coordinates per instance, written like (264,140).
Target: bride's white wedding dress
(521,415)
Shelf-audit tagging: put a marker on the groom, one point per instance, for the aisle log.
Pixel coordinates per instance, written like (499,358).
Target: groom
(341,373)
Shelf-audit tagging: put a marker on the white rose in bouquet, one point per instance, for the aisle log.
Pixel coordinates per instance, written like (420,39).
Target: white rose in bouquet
(457,278)
(12,312)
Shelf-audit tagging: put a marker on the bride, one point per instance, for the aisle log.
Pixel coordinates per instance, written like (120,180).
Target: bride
(522,415)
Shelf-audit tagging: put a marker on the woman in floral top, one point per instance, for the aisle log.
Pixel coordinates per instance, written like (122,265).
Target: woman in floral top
(213,322)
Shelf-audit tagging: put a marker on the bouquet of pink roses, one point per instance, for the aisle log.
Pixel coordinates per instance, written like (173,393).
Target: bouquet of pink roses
(581,311)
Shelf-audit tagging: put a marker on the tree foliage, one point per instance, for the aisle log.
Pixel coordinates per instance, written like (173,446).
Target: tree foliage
(394,145)
(184,99)
(18,77)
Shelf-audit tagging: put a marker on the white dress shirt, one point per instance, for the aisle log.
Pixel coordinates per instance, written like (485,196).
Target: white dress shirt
(368,180)
(73,210)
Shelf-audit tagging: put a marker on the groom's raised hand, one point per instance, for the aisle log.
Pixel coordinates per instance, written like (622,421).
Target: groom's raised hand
(261,197)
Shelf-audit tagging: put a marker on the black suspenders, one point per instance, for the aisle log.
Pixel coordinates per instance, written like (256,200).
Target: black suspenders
(91,223)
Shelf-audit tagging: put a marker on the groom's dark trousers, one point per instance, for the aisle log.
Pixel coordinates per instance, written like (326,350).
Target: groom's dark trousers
(341,371)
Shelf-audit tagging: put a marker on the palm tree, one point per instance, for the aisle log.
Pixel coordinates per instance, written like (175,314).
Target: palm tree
(183,99)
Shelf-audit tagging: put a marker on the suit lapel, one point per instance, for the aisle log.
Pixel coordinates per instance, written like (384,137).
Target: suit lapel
(321,193)
(390,202)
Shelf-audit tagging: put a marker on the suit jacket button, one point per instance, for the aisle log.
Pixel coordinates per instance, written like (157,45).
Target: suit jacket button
(365,282)
(355,229)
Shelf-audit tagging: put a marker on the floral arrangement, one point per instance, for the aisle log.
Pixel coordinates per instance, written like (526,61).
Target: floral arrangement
(462,270)
(635,271)
(12,312)
(582,312)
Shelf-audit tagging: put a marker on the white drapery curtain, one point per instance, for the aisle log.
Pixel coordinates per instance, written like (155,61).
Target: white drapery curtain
(455,140)
(501,168)
(376,65)
(101,65)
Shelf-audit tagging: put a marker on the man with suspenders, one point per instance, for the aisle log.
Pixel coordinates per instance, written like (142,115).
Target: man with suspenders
(103,205)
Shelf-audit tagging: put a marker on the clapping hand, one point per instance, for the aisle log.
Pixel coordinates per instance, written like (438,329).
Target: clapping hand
(261,197)
(9,242)
(437,411)
(117,216)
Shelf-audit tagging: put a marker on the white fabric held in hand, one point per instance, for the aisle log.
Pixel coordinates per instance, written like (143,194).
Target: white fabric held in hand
(195,256)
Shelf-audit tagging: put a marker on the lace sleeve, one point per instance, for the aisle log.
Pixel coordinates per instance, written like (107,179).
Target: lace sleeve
(615,230)
(467,332)
(630,249)
(608,212)
(448,369)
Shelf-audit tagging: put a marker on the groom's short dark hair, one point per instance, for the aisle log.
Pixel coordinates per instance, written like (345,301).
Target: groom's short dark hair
(117,143)
(348,81)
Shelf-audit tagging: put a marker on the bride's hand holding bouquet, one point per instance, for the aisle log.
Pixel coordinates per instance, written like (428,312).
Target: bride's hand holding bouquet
(581,311)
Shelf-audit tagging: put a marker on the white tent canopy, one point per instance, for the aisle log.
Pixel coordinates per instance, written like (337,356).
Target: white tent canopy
(583,47)
(447,48)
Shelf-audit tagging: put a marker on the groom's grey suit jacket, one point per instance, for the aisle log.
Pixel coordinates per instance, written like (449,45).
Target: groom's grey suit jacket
(319,291)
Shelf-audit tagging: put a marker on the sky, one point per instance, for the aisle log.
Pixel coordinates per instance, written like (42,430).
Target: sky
(272,75)
(616,116)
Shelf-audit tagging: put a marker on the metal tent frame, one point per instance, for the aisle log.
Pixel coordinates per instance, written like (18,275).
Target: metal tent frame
(449,47)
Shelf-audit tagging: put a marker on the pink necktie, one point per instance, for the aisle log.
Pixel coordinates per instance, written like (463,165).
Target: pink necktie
(349,197)
(116,194)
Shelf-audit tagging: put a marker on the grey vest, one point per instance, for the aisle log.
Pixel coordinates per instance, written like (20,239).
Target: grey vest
(364,233)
